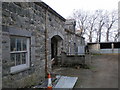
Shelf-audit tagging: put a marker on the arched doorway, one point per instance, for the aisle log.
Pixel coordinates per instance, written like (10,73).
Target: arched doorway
(56,43)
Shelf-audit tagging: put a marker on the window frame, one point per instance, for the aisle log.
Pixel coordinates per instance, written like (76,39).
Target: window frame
(14,31)
(21,67)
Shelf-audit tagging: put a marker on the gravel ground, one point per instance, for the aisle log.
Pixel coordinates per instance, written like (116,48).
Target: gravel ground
(102,72)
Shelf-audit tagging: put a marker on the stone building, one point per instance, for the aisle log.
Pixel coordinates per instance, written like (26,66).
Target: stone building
(73,41)
(32,35)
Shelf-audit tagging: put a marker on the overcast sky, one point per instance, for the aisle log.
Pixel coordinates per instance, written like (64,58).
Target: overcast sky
(66,7)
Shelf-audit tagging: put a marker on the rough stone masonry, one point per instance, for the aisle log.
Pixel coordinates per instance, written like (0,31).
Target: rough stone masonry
(40,25)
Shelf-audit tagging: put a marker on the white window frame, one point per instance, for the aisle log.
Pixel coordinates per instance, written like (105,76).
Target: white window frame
(22,67)
(69,52)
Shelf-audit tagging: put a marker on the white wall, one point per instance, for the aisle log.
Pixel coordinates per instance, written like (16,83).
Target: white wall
(81,50)
(105,51)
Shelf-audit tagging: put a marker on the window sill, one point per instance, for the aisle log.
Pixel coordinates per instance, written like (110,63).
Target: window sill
(19,68)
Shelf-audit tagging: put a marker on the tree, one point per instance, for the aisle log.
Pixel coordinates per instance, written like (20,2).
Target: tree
(81,17)
(117,36)
(91,26)
(110,20)
(98,24)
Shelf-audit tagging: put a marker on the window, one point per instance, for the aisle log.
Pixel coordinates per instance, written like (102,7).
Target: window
(19,52)
(117,45)
(105,46)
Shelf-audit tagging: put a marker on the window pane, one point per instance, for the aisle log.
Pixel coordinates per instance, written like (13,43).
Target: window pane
(24,44)
(12,59)
(12,44)
(18,44)
(18,59)
(23,58)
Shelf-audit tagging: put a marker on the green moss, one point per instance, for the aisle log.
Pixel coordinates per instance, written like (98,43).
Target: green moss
(96,54)
(92,67)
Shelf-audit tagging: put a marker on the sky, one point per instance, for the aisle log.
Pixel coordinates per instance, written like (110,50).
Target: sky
(66,7)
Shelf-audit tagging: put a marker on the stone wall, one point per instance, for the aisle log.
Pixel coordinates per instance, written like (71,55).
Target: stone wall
(0,45)
(55,27)
(40,24)
(69,44)
(68,60)
(94,48)
(72,40)
(70,25)
(34,18)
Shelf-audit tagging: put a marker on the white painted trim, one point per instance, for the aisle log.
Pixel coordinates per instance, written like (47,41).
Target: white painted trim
(22,67)
(18,52)
(18,68)
(28,52)
(69,52)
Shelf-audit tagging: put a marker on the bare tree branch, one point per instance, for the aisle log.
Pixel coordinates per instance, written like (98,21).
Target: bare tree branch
(97,24)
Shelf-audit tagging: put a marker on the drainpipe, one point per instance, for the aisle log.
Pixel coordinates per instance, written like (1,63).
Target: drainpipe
(46,32)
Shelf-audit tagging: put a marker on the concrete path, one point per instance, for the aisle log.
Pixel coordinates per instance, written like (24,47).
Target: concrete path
(103,73)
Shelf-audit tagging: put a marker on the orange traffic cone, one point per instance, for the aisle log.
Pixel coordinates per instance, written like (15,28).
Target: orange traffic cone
(49,87)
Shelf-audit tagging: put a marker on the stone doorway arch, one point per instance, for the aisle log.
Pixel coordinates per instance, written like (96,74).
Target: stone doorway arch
(56,43)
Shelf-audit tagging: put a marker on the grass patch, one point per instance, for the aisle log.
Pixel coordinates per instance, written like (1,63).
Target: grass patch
(96,54)
(92,67)
(77,83)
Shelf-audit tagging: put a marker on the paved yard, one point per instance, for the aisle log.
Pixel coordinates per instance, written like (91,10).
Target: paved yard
(103,73)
